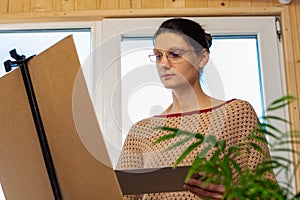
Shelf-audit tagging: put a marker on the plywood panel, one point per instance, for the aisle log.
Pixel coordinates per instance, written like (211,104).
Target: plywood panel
(218,3)
(85,4)
(38,5)
(174,3)
(75,140)
(23,173)
(107,4)
(196,3)
(152,4)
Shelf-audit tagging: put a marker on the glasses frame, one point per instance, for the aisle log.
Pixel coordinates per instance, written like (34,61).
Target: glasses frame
(152,56)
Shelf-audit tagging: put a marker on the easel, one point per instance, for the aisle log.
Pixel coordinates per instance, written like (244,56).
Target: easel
(22,62)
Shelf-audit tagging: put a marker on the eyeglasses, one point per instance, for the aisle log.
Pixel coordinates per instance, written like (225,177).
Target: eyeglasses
(172,56)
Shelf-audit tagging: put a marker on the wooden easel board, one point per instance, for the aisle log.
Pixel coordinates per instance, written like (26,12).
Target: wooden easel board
(80,158)
(77,146)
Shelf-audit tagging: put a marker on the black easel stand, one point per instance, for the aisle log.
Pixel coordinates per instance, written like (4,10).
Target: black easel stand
(21,61)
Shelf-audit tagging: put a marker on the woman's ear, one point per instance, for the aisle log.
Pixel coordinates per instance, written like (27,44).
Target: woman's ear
(204,57)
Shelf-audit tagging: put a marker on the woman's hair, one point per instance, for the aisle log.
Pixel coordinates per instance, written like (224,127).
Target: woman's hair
(192,31)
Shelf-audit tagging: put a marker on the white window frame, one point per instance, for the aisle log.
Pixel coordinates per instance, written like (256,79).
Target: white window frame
(94,26)
(108,74)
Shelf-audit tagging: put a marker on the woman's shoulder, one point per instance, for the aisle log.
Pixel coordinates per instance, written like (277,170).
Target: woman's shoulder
(239,104)
(241,110)
(143,126)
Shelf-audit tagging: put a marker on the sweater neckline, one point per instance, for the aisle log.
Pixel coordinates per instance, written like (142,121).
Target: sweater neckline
(195,111)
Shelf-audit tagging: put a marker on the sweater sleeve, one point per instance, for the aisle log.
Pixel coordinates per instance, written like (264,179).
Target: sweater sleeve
(254,157)
(131,155)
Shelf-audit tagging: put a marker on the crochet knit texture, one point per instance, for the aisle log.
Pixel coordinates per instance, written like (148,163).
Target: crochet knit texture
(232,121)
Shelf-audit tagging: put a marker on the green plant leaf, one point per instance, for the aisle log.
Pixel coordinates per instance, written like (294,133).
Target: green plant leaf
(257,147)
(278,158)
(179,143)
(193,169)
(265,132)
(259,139)
(281,102)
(266,125)
(271,117)
(186,153)
(205,151)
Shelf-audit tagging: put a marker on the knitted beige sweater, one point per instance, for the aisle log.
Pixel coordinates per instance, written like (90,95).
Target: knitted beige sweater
(232,121)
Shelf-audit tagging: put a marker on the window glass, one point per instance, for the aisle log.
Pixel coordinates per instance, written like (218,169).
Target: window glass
(232,72)
(2,197)
(33,42)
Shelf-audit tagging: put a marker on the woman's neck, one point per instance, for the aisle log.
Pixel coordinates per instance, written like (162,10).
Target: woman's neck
(189,100)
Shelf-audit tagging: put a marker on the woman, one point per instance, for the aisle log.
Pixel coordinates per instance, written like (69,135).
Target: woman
(181,50)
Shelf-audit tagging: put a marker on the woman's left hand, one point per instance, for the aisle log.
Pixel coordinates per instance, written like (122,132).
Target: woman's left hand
(210,191)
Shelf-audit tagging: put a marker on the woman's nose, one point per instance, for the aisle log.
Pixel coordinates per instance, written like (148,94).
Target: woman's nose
(165,61)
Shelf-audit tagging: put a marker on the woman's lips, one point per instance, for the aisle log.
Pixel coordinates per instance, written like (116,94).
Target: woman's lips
(167,76)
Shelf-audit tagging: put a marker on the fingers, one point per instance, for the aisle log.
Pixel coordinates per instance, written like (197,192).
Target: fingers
(205,190)
(206,186)
(203,193)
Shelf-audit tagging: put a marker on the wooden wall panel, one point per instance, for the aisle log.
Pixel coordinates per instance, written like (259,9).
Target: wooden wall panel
(136,4)
(276,2)
(108,4)
(294,10)
(39,5)
(86,4)
(19,5)
(68,5)
(125,4)
(260,3)
(218,3)
(174,3)
(152,4)
(240,3)
(196,3)
(3,6)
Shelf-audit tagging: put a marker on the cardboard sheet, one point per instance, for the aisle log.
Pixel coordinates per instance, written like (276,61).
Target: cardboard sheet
(83,168)
(77,146)
(22,171)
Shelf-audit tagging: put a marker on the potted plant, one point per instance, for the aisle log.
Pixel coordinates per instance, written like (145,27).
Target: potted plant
(218,168)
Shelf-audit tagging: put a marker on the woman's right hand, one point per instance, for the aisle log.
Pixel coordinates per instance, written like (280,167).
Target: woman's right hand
(203,190)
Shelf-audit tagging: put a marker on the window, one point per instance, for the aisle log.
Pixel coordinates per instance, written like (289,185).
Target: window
(2,197)
(32,39)
(258,32)
(233,59)
(33,42)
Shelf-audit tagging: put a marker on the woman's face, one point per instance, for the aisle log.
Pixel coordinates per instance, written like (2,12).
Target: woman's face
(182,71)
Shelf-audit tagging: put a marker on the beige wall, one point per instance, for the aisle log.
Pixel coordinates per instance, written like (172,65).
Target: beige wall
(64,10)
